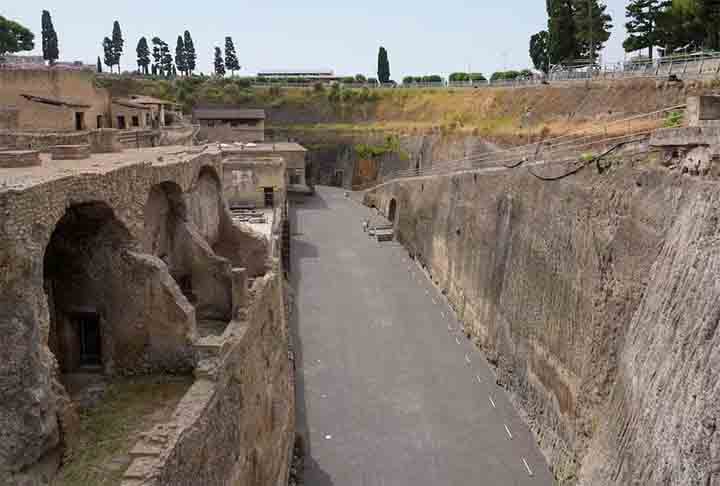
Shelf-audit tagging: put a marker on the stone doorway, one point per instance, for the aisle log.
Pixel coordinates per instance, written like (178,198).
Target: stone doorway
(392,210)
(79,120)
(269,197)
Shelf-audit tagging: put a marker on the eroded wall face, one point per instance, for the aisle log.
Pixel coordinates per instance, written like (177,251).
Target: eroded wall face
(589,297)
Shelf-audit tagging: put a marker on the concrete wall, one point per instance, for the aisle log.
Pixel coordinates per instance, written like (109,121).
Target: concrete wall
(593,297)
(72,85)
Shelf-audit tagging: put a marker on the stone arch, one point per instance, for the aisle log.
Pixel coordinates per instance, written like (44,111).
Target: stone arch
(392,210)
(80,271)
(165,209)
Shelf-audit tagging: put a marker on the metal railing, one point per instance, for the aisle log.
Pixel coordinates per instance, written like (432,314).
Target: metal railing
(579,145)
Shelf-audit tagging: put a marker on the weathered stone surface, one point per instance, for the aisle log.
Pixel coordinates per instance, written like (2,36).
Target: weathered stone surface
(75,238)
(70,152)
(19,158)
(595,298)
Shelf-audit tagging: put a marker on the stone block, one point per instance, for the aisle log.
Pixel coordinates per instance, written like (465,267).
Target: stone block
(19,158)
(105,140)
(70,152)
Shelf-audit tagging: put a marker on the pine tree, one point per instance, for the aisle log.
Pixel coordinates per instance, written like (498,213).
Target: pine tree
(593,25)
(50,48)
(561,42)
(709,14)
(642,24)
(539,51)
(143,55)
(109,54)
(99,65)
(219,63)
(181,56)
(117,43)
(231,60)
(190,55)
(383,66)
(14,37)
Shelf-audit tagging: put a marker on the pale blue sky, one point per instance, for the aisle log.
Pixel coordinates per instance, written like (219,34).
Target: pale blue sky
(421,37)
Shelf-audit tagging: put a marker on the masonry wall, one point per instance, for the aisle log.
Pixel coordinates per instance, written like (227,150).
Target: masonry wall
(236,423)
(595,299)
(77,86)
(157,323)
(226,133)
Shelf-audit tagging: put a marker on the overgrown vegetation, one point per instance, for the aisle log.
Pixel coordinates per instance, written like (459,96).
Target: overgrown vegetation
(98,454)
(674,119)
(390,146)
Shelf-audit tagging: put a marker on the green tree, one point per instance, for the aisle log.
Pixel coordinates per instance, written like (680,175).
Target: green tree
(157,55)
(219,63)
(231,60)
(709,13)
(539,44)
(143,55)
(190,54)
(14,37)
(679,26)
(181,56)
(166,59)
(593,25)
(562,46)
(109,54)
(383,66)
(99,65)
(50,48)
(117,43)
(360,78)
(642,24)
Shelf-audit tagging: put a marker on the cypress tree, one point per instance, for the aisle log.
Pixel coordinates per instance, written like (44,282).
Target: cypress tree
(181,56)
(166,59)
(231,60)
(383,66)
(50,48)
(219,63)
(109,55)
(117,43)
(99,65)
(190,55)
(157,55)
(143,55)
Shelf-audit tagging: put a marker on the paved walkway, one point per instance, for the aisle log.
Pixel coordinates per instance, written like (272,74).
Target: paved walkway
(386,396)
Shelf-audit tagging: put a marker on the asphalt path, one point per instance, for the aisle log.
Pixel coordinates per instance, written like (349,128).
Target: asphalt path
(388,390)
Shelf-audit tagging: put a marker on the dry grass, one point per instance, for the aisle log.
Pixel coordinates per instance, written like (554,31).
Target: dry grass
(98,455)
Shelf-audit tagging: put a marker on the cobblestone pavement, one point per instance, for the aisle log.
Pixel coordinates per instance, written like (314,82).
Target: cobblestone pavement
(388,392)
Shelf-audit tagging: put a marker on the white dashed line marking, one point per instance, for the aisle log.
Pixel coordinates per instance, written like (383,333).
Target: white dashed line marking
(492,402)
(508,431)
(527,467)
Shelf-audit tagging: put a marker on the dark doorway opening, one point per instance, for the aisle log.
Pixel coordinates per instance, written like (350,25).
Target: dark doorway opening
(99,121)
(135,121)
(79,120)
(392,210)
(269,197)
(89,345)
(121,123)
(338,179)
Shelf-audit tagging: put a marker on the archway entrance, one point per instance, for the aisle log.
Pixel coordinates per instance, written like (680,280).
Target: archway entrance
(392,210)
(78,270)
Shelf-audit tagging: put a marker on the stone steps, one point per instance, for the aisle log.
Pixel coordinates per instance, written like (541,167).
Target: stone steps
(19,158)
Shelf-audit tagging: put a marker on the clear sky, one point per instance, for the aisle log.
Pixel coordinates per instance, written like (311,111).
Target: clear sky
(421,37)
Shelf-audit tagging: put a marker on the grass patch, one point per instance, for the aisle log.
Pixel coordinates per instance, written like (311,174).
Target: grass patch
(98,454)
